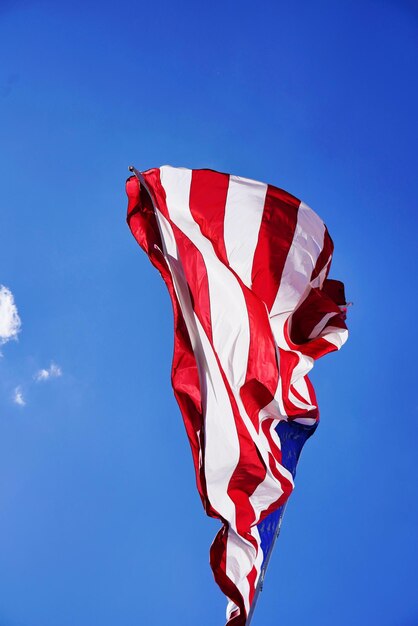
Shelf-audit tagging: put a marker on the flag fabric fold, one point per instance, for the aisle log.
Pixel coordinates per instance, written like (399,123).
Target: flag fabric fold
(246,266)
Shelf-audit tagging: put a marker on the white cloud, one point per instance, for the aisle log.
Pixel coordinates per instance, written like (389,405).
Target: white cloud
(18,396)
(54,371)
(9,318)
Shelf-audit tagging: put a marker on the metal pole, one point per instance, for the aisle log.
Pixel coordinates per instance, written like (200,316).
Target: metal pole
(139,177)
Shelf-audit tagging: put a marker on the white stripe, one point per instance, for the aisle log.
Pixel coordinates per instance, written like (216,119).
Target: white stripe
(243,214)
(222,449)
(321,325)
(230,608)
(275,409)
(230,325)
(336,336)
(299,403)
(303,390)
(307,244)
(306,421)
(308,240)
(240,559)
(319,280)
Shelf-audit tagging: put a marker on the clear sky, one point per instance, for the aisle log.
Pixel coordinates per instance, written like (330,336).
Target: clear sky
(100,521)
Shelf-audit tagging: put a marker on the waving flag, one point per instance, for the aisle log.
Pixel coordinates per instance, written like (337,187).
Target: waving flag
(246,267)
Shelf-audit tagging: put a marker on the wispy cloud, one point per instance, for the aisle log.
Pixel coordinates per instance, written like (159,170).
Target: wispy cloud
(9,317)
(54,371)
(10,325)
(18,396)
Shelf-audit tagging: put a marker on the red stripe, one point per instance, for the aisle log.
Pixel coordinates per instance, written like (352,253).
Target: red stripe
(312,394)
(310,312)
(324,256)
(208,194)
(252,577)
(218,565)
(315,348)
(318,348)
(141,219)
(275,238)
(297,394)
(262,368)
(266,426)
(306,413)
(194,268)
(153,180)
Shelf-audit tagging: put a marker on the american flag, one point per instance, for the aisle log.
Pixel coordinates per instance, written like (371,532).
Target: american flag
(246,266)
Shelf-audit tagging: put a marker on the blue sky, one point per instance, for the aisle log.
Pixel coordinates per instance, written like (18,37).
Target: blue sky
(100,521)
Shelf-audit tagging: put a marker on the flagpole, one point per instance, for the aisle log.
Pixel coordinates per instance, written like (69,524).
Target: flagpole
(140,178)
